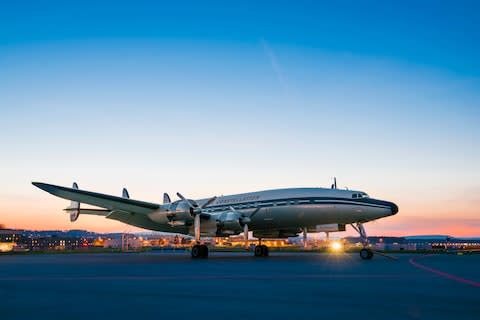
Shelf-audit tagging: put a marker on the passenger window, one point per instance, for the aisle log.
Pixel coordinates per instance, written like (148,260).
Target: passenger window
(354,195)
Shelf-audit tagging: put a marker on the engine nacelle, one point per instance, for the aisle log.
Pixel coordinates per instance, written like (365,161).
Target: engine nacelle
(177,213)
(229,223)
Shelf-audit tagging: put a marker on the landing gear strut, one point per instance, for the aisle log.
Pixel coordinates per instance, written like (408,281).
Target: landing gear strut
(198,250)
(365,253)
(261,250)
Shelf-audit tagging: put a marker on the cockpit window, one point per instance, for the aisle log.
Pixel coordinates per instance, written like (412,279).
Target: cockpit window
(360,195)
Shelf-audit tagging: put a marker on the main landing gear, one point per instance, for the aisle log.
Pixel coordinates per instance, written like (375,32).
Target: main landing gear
(365,253)
(261,250)
(199,251)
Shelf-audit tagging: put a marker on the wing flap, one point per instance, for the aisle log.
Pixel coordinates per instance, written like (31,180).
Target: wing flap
(95,212)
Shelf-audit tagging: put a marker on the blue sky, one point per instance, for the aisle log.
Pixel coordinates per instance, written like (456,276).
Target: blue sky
(216,98)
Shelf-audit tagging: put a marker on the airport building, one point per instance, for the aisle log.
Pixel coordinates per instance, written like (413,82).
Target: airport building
(26,240)
(420,243)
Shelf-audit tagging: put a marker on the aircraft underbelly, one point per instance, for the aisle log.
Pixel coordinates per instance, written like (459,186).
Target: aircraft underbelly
(300,216)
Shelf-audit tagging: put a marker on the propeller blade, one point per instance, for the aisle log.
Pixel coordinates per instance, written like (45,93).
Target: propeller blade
(192,204)
(242,218)
(254,212)
(209,202)
(196,228)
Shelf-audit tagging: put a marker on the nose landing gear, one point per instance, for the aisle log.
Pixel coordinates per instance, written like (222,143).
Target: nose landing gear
(365,253)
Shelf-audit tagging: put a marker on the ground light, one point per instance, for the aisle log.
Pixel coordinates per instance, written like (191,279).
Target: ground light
(336,246)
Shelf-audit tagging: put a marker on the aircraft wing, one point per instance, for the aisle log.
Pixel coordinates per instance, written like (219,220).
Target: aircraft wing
(112,203)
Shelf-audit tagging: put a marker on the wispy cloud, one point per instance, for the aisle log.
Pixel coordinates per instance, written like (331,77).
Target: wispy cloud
(274,63)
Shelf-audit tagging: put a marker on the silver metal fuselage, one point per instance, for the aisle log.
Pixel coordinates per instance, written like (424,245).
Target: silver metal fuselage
(282,212)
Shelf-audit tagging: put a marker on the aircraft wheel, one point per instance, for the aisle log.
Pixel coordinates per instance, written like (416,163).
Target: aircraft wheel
(265,251)
(258,251)
(261,251)
(366,254)
(196,251)
(203,251)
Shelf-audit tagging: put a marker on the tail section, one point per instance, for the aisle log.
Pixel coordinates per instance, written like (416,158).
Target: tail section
(125,194)
(74,207)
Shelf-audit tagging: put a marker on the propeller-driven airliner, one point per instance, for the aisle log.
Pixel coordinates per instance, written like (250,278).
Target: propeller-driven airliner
(278,213)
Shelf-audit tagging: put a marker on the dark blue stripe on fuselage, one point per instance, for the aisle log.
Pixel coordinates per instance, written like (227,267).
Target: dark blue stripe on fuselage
(365,202)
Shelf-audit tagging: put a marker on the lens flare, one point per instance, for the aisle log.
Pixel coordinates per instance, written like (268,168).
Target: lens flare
(336,246)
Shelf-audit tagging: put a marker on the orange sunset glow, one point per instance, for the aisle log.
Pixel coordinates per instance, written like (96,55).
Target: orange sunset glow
(456,216)
(213,112)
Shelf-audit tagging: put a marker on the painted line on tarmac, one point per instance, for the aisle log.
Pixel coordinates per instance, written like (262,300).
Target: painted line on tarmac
(443,274)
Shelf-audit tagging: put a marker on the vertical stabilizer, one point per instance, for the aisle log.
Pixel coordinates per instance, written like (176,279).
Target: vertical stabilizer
(74,207)
(125,194)
(166,198)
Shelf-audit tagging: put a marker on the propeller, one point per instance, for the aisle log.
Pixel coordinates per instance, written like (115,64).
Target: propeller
(195,211)
(194,207)
(244,220)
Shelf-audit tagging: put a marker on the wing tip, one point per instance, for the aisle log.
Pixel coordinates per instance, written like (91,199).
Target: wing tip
(38,184)
(44,186)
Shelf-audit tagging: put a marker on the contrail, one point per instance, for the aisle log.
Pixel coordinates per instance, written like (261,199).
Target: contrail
(274,63)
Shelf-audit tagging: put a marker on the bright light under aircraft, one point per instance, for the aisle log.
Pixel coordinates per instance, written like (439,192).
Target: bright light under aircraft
(279,213)
(336,246)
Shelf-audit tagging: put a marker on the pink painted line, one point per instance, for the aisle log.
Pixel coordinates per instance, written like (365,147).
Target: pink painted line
(444,274)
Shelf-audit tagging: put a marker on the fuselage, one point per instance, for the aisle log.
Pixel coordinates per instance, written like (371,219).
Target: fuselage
(283,212)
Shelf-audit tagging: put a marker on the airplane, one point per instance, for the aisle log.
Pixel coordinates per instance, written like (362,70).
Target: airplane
(278,213)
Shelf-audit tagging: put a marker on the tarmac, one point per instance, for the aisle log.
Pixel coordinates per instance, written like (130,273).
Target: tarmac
(169,285)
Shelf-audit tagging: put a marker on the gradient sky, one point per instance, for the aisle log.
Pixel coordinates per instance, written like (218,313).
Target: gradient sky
(214,98)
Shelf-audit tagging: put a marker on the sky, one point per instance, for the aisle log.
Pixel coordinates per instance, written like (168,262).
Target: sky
(211,98)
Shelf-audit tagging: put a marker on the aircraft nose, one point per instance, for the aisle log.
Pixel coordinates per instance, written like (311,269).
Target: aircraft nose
(394,208)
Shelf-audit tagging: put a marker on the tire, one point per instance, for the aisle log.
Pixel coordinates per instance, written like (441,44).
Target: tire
(366,254)
(203,251)
(196,251)
(265,251)
(258,252)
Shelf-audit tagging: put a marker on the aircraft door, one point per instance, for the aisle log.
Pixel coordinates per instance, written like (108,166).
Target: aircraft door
(268,217)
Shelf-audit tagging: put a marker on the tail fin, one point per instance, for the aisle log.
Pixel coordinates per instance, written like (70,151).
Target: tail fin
(125,194)
(74,207)
(166,198)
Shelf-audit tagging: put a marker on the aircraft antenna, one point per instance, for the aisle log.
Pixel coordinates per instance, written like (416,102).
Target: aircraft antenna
(334,185)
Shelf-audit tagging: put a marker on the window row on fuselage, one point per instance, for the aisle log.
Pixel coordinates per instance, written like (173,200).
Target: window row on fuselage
(286,202)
